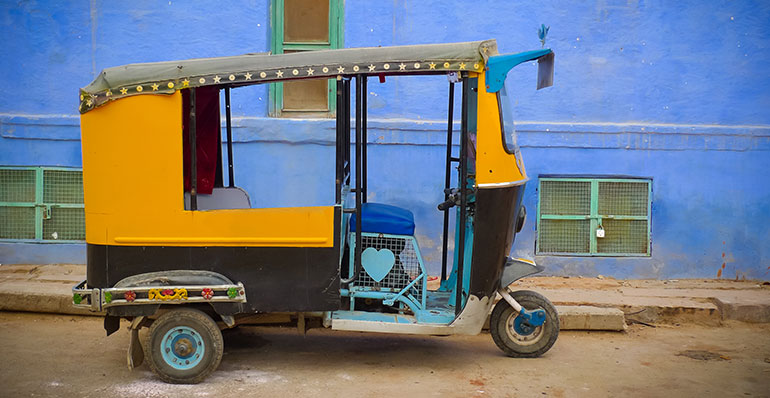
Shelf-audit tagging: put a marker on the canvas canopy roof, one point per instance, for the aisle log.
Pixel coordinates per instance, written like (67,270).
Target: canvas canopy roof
(169,76)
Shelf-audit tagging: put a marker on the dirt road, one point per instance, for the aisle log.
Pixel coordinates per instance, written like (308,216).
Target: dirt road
(54,355)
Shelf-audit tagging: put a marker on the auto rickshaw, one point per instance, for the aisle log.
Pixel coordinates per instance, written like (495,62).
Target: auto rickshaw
(172,248)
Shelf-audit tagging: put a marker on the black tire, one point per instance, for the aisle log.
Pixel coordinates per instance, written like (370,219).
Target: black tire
(186,335)
(524,346)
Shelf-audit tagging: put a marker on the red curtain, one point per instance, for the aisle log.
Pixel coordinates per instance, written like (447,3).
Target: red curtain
(207,134)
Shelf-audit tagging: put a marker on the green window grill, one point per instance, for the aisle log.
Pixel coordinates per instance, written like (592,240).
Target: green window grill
(41,204)
(594,217)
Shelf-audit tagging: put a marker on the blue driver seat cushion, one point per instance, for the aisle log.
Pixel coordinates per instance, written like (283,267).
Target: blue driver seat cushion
(384,219)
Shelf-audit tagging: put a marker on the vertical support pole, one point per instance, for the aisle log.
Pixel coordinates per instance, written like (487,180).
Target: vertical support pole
(231,180)
(364,159)
(356,253)
(340,141)
(347,129)
(463,182)
(193,153)
(447,179)
(359,171)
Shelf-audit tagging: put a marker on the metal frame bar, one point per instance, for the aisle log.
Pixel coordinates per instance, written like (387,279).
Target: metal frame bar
(447,179)
(359,171)
(39,208)
(94,298)
(231,179)
(360,114)
(594,216)
(364,139)
(463,182)
(594,222)
(346,99)
(192,127)
(338,157)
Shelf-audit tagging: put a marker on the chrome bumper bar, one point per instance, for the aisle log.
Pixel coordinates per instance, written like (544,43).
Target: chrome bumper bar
(97,299)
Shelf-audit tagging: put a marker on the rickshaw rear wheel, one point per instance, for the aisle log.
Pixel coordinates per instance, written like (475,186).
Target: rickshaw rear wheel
(184,346)
(527,342)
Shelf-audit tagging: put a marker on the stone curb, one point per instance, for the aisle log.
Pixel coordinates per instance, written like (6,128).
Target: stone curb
(47,288)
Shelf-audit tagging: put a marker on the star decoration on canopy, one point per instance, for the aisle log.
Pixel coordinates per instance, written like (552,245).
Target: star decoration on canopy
(92,100)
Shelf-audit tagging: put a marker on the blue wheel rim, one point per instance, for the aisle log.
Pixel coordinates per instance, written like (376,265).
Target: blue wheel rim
(182,348)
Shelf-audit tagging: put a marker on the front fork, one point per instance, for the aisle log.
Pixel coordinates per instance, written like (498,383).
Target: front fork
(529,318)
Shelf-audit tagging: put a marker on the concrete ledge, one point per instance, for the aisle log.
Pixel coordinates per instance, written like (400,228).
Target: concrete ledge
(40,301)
(670,308)
(590,318)
(753,312)
(43,288)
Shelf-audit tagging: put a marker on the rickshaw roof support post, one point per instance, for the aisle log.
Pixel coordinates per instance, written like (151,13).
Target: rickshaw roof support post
(193,153)
(340,161)
(447,179)
(462,183)
(231,180)
(346,98)
(360,115)
(364,142)
(498,67)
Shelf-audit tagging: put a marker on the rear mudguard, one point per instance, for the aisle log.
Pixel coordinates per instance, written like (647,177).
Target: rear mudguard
(517,268)
(187,278)
(189,286)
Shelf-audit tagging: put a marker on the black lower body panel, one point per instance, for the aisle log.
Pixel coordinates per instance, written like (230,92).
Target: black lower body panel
(493,234)
(276,279)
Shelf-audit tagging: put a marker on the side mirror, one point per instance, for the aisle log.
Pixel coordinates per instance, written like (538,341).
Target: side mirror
(545,71)
(522,218)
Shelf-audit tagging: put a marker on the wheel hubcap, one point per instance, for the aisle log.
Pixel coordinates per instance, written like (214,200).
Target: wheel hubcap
(182,348)
(522,332)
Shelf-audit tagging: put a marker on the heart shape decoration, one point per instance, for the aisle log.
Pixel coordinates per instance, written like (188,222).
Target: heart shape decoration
(377,263)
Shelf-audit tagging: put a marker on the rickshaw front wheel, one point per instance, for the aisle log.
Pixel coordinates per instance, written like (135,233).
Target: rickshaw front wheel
(514,336)
(184,346)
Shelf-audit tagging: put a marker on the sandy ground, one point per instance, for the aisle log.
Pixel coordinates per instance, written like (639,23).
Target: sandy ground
(55,355)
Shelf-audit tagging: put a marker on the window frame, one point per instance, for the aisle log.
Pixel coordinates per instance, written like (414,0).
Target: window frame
(594,215)
(278,46)
(41,206)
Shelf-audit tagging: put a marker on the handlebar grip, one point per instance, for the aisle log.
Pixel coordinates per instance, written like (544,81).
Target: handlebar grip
(447,204)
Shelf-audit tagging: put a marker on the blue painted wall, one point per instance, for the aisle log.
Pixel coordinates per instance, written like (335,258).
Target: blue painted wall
(678,92)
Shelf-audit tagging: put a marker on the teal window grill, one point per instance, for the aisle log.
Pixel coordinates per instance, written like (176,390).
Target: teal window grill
(43,204)
(594,216)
